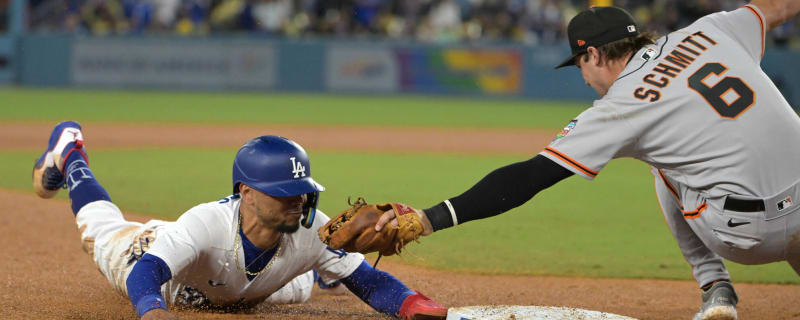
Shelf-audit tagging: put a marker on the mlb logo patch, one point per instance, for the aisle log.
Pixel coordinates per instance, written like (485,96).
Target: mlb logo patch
(631,28)
(785,203)
(649,53)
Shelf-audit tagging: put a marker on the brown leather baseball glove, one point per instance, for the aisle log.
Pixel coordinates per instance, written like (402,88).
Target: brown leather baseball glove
(354,229)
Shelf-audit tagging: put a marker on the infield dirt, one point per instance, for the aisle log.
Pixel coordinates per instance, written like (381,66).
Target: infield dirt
(46,275)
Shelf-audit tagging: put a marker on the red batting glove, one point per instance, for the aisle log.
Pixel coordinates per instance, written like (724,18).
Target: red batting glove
(420,307)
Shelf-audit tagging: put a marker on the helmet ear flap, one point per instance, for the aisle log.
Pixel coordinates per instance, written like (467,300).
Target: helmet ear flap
(309,209)
(236,187)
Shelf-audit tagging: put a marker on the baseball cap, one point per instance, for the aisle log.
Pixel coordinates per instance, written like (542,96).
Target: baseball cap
(598,26)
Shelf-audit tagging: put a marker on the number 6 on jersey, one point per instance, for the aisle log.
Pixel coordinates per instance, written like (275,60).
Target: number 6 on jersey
(716,95)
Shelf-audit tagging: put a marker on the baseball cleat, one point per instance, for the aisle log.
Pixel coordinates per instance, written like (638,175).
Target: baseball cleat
(48,171)
(719,303)
(420,307)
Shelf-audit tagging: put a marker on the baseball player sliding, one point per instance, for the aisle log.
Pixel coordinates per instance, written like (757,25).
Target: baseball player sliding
(697,107)
(233,253)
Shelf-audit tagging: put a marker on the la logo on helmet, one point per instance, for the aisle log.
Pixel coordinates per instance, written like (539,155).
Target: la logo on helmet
(297,168)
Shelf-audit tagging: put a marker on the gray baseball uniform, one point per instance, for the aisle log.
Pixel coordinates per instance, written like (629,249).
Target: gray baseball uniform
(697,107)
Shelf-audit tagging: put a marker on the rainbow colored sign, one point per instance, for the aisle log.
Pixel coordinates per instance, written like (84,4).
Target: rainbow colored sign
(493,71)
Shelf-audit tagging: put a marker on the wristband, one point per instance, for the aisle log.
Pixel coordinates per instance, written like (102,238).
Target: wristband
(441,216)
(150,302)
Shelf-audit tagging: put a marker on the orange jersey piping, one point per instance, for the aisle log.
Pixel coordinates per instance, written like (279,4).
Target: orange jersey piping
(760,22)
(669,186)
(571,162)
(696,213)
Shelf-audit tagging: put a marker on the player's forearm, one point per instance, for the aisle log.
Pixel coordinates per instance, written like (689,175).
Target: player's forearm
(144,284)
(152,307)
(380,290)
(501,190)
(777,12)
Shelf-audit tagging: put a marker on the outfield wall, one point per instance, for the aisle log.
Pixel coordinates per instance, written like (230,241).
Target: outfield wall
(7,52)
(317,65)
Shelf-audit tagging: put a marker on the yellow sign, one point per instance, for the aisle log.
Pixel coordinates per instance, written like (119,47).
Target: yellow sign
(601,3)
(494,71)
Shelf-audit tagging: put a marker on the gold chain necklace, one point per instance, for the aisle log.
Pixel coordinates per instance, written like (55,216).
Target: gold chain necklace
(236,252)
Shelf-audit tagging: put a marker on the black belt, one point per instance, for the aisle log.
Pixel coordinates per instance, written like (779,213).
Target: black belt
(744,205)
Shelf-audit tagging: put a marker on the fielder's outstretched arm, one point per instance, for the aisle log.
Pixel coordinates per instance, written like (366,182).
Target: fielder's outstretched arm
(501,190)
(777,12)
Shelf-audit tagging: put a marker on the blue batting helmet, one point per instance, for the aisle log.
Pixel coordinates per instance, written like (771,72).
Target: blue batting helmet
(278,167)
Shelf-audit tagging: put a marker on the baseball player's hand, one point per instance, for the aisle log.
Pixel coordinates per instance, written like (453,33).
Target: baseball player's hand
(391,218)
(354,229)
(159,314)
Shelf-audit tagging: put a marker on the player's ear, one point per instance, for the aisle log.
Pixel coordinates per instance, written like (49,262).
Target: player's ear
(592,56)
(244,192)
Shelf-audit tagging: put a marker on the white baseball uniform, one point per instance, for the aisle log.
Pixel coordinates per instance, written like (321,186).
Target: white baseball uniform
(697,107)
(198,248)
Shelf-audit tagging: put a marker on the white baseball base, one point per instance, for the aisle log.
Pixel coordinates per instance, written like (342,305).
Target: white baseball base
(528,313)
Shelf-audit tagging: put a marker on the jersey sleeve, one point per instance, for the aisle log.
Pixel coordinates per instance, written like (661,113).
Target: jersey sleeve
(332,264)
(590,141)
(746,26)
(182,241)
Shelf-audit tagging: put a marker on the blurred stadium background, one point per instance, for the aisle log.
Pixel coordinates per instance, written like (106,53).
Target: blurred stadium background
(497,48)
(527,22)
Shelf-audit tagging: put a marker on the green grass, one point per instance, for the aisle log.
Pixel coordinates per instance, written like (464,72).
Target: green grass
(53,105)
(611,227)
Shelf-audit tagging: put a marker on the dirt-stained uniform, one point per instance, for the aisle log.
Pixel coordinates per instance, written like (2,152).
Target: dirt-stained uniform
(205,258)
(201,250)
